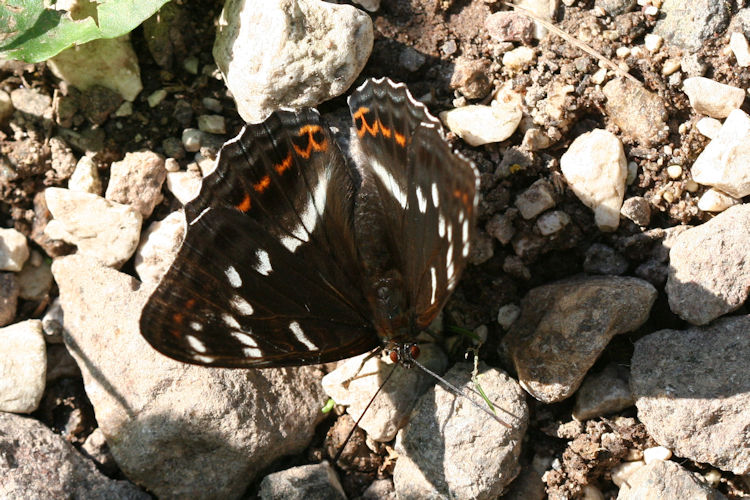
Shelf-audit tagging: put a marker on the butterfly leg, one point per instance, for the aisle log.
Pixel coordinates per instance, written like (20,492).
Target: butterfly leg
(373,353)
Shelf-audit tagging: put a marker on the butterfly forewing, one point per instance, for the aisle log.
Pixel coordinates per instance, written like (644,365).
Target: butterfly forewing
(264,277)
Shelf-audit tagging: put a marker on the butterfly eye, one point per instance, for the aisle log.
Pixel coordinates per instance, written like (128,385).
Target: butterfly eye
(414,351)
(394,356)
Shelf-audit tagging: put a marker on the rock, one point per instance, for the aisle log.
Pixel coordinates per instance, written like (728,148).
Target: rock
(482,248)
(692,400)
(601,259)
(666,481)
(603,393)
(52,323)
(175,428)
(708,126)
(689,24)
(289,66)
(111,63)
(595,167)
(9,290)
(709,273)
(615,7)
(60,364)
(100,228)
(184,185)
(165,33)
(380,489)
(410,59)
(97,449)
(212,124)
(37,463)
(740,49)
(62,158)
(712,98)
(622,472)
(14,250)
(478,124)
(6,107)
(536,199)
(470,77)
(159,246)
(391,409)
(35,279)
(32,104)
(314,481)
(552,222)
(509,26)
(651,455)
(639,113)
(191,139)
(501,226)
(451,449)
(714,200)
(507,315)
(85,178)
(518,58)
(23,363)
(564,326)
(725,162)
(97,103)
(637,209)
(137,181)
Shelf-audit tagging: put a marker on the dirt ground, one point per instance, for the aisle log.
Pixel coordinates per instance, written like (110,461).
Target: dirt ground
(442,32)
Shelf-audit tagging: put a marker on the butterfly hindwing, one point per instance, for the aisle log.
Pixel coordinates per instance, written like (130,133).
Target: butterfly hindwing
(424,194)
(267,274)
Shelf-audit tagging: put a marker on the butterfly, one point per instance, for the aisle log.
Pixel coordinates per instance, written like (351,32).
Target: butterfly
(295,255)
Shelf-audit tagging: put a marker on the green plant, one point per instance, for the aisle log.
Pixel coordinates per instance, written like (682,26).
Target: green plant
(33,32)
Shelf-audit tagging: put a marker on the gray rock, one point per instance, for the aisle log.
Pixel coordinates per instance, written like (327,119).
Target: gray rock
(100,228)
(603,393)
(96,448)
(9,290)
(637,209)
(314,53)
(35,279)
(666,480)
(37,463)
(137,181)
(564,326)
(451,449)
(391,409)
(410,59)
(510,26)
(482,248)
(179,430)
(23,364)
(601,259)
(709,272)
(639,113)
(501,226)
(52,323)
(539,197)
(212,124)
(62,158)
(32,104)
(688,24)
(380,489)
(306,482)
(615,7)
(692,391)
(471,78)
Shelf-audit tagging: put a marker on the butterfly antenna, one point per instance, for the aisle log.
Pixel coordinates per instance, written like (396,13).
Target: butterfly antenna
(458,392)
(356,424)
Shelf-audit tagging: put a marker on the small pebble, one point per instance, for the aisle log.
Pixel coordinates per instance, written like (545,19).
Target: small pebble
(713,477)
(536,199)
(171,165)
(637,209)
(670,67)
(6,106)
(622,472)
(125,109)
(449,48)
(656,453)
(740,49)
(691,186)
(191,65)
(712,98)
(599,77)
(14,250)
(674,171)
(714,200)
(622,52)
(517,58)
(708,127)
(212,104)
(552,222)
(213,124)
(652,42)
(191,139)
(507,315)
(156,98)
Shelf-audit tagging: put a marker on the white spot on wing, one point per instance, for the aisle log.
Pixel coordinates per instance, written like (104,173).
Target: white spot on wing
(242,306)
(196,326)
(434,194)
(230,321)
(421,200)
(244,339)
(233,276)
(252,352)
(202,358)
(204,212)
(389,182)
(264,262)
(195,344)
(291,243)
(465,230)
(441,225)
(433,276)
(300,336)
(466,248)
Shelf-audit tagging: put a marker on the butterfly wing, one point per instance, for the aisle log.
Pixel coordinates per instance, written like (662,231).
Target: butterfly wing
(424,194)
(268,273)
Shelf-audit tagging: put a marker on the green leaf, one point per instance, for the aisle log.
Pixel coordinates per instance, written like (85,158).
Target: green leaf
(484,396)
(32,33)
(464,332)
(328,406)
